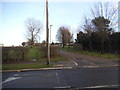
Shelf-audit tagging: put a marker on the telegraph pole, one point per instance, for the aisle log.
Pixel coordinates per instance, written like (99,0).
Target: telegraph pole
(50,32)
(47,35)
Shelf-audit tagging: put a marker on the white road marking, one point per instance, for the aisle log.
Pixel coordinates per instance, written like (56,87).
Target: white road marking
(102,86)
(97,66)
(67,68)
(75,63)
(63,87)
(16,75)
(11,79)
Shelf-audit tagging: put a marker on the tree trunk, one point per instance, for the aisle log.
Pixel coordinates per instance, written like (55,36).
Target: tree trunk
(32,39)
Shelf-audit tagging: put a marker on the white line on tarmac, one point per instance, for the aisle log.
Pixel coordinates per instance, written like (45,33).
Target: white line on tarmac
(16,75)
(63,87)
(75,63)
(97,66)
(11,79)
(102,86)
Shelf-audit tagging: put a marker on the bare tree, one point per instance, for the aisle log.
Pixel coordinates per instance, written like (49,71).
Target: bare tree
(87,25)
(88,29)
(64,36)
(107,10)
(33,29)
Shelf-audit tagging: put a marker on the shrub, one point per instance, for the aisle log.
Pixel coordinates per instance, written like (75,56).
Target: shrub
(13,54)
(54,50)
(35,53)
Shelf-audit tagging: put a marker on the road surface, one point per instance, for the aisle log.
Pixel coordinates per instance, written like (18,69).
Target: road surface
(64,78)
(81,60)
(86,72)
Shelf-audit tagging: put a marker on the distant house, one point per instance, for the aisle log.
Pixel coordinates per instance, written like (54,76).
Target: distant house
(38,44)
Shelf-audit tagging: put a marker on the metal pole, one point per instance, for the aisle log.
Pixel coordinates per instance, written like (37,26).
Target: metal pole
(47,35)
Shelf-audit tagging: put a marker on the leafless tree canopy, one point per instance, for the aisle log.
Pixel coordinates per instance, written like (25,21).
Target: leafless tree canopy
(87,25)
(106,10)
(64,36)
(33,29)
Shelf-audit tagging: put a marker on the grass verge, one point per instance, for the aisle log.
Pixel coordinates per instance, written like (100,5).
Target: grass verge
(60,58)
(24,66)
(98,54)
(41,64)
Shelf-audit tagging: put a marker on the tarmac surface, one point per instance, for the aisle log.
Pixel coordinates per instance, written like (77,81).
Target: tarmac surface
(78,72)
(63,78)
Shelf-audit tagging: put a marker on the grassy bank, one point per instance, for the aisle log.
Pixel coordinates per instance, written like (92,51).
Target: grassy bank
(24,66)
(33,64)
(25,54)
(98,54)
(60,58)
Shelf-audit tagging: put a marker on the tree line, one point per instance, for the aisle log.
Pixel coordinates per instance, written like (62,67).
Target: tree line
(98,33)
(95,42)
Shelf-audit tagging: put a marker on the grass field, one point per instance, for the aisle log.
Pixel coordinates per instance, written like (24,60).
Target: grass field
(98,54)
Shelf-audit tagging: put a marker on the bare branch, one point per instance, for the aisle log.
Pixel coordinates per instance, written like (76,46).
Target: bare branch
(33,28)
(105,10)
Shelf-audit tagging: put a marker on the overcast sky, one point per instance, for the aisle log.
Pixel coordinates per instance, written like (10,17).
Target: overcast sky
(14,14)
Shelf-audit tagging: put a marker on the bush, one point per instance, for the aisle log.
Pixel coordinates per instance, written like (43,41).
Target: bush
(13,54)
(78,46)
(35,53)
(54,50)
(18,54)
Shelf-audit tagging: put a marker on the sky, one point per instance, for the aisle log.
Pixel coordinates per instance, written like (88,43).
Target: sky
(14,14)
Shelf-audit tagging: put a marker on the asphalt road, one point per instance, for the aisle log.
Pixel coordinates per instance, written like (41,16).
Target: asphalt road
(66,78)
(80,60)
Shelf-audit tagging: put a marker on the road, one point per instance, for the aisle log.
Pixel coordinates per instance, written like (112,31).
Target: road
(86,72)
(64,78)
(81,60)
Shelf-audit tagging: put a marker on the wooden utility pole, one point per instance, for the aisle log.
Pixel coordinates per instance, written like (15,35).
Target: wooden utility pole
(47,35)
(50,33)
